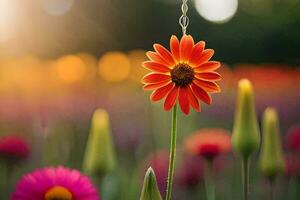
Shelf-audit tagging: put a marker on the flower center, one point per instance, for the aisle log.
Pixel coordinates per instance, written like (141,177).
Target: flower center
(182,74)
(209,151)
(58,193)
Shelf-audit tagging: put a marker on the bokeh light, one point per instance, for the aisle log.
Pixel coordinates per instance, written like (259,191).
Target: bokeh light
(114,67)
(218,11)
(70,69)
(57,7)
(91,63)
(23,75)
(137,57)
(8,10)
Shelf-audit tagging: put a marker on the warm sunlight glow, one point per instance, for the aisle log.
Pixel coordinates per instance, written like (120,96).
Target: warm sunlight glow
(57,7)
(114,66)
(136,58)
(70,69)
(8,10)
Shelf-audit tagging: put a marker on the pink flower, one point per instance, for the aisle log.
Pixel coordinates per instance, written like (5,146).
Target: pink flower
(14,147)
(55,183)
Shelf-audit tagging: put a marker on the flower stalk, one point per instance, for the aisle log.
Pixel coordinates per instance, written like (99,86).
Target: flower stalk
(175,78)
(245,175)
(271,184)
(245,136)
(271,159)
(99,158)
(208,179)
(172,153)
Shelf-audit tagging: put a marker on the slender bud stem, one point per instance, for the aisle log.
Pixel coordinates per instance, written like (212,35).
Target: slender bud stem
(271,190)
(172,153)
(271,184)
(245,171)
(209,183)
(9,169)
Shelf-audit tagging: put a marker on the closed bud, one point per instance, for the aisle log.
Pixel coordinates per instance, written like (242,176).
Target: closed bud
(100,153)
(150,190)
(245,137)
(271,157)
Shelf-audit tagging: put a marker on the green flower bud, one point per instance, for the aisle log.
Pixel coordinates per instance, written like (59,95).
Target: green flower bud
(245,137)
(150,190)
(271,157)
(100,153)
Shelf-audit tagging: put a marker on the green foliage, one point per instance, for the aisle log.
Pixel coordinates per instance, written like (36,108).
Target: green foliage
(245,138)
(150,190)
(100,153)
(271,157)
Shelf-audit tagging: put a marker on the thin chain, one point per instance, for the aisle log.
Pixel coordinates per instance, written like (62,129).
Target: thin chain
(184,20)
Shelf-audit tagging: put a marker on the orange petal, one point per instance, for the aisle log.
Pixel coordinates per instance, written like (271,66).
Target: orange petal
(205,56)
(155,78)
(201,94)
(156,58)
(164,53)
(184,100)
(208,66)
(154,86)
(161,92)
(196,53)
(208,86)
(157,67)
(171,99)
(193,100)
(174,46)
(210,76)
(186,47)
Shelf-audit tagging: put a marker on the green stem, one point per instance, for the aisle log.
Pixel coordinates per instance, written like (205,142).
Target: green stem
(271,184)
(208,180)
(245,168)
(172,153)
(9,170)
(297,190)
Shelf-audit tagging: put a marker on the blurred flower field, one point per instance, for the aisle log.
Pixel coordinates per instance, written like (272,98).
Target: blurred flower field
(49,105)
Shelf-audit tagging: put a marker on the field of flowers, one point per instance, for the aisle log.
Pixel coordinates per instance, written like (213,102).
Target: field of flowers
(89,114)
(149,100)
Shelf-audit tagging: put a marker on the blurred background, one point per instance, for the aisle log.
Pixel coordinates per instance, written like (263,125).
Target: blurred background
(62,59)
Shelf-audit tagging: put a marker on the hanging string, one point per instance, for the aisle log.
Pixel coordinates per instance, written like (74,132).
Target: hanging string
(184,20)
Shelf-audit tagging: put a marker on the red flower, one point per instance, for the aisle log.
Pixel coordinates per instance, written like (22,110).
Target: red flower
(292,141)
(13,147)
(184,73)
(209,143)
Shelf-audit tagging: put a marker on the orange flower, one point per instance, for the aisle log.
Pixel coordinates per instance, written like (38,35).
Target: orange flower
(208,143)
(184,73)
